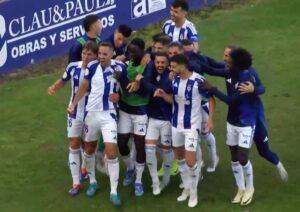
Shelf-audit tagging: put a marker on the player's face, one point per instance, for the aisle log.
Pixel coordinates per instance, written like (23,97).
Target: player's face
(174,51)
(177,14)
(135,53)
(105,54)
(226,57)
(158,47)
(176,68)
(87,56)
(189,48)
(161,63)
(96,28)
(119,39)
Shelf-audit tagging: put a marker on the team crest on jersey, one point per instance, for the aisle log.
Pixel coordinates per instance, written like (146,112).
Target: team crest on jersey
(236,85)
(76,77)
(158,78)
(86,72)
(229,80)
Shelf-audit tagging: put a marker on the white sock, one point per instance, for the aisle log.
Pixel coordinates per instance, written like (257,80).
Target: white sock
(168,158)
(113,171)
(210,141)
(151,161)
(82,158)
(90,166)
(74,164)
(199,155)
(194,176)
(238,173)
(183,169)
(248,173)
(139,172)
(128,162)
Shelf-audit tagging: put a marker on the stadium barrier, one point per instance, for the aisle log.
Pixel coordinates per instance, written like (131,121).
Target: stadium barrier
(33,30)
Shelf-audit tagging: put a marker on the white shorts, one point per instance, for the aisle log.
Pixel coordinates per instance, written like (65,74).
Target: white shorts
(239,136)
(187,138)
(74,127)
(204,111)
(159,129)
(97,122)
(130,123)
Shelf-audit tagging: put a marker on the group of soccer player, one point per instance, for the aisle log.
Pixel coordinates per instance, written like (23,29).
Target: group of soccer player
(158,99)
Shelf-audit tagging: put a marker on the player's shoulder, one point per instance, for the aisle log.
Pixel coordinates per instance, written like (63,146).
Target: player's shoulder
(118,65)
(197,77)
(168,22)
(189,24)
(73,65)
(93,64)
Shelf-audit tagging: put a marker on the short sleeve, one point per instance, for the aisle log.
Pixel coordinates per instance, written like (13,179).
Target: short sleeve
(192,33)
(67,74)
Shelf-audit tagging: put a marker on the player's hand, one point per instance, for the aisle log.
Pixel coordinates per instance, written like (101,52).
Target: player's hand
(172,75)
(159,93)
(246,87)
(133,87)
(51,91)
(71,109)
(145,60)
(205,85)
(115,97)
(121,58)
(117,75)
(139,77)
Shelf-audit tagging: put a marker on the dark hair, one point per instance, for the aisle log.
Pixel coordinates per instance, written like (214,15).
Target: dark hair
(161,54)
(176,44)
(91,46)
(241,58)
(187,42)
(106,44)
(180,59)
(88,21)
(139,43)
(181,3)
(164,40)
(125,30)
(157,36)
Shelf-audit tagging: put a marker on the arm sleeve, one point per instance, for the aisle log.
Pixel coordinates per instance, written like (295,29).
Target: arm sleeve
(192,34)
(67,74)
(259,88)
(219,72)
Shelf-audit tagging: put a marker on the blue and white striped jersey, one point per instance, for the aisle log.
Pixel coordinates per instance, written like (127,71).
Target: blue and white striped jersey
(187,102)
(187,31)
(75,73)
(102,85)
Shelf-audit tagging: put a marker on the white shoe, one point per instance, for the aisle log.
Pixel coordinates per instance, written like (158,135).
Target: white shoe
(213,168)
(184,195)
(193,200)
(155,189)
(247,196)
(238,197)
(282,172)
(163,185)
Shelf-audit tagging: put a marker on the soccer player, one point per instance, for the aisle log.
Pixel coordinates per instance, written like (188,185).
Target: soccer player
(101,116)
(159,126)
(241,120)
(186,122)
(179,28)
(92,27)
(206,134)
(133,118)
(119,40)
(261,133)
(75,73)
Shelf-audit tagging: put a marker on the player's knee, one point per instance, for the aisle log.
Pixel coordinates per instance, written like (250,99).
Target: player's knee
(89,149)
(75,143)
(139,142)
